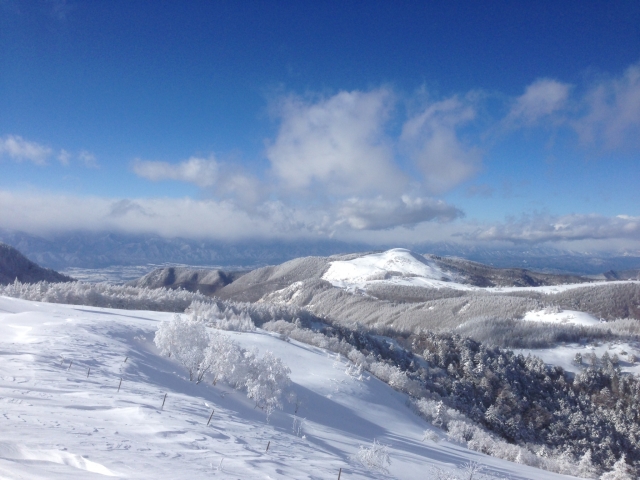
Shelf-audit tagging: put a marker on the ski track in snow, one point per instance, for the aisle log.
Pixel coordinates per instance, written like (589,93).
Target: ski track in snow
(56,423)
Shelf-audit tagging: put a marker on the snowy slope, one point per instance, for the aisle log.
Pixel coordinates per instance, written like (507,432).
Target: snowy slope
(56,423)
(561,316)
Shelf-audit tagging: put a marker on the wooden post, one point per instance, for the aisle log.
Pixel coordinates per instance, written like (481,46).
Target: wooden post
(269,443)
(119,384)
(339,473)
(88,372)
(208,421)
(125,359)
(70,363)
(163,400)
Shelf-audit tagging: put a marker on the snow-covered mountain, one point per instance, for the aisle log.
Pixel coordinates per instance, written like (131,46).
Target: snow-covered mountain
(85,395)
(15,265)
(400,266)
(393,268)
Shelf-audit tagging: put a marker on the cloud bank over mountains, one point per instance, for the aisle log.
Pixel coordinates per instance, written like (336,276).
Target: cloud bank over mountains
(545,228)
(356,161)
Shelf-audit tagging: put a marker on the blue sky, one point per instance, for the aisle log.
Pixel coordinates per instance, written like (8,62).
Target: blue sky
(383,122)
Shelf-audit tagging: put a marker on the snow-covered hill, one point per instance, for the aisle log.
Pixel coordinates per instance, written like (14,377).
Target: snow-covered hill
(62,420)
(397,266)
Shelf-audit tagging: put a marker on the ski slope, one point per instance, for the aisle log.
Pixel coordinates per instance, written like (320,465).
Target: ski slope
(61,421)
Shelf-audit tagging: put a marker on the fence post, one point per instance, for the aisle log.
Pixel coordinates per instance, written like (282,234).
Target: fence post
(210,417)
(339,473)
(163,400)
(269,443)
(120,384)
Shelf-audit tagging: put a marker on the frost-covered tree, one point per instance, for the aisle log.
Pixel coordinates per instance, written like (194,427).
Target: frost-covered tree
(374,456)
(185,340)
(222,357)
(586,468)
(267,381)
(621,471)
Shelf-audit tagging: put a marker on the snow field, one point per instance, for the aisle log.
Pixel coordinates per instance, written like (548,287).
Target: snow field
(56,423)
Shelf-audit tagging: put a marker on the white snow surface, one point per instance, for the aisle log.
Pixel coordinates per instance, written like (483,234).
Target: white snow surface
(59,423)
(397,266)
(562,316)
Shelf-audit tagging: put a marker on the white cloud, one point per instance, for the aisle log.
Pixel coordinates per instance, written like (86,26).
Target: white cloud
(336,146)
(380,213)
(546,228)
(432,140)
(64,158)
(219,179)
(88,159)
(606,115)
(19,149)
(199,171)
(612,119)
(540,99)
(333,167)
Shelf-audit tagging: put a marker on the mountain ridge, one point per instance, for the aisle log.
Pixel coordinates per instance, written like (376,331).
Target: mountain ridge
(14,265)
(103,249)
(205,281)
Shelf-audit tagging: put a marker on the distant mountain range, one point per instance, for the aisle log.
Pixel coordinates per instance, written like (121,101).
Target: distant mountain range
(15,265)
(100,250)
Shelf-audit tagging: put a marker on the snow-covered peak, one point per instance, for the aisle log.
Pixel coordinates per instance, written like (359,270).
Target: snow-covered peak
(397,265)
